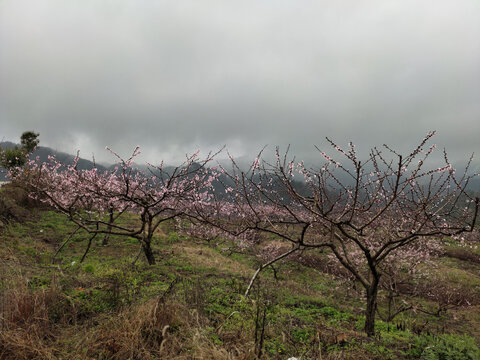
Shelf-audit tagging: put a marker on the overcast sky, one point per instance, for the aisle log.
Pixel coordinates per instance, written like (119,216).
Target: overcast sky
(175,76)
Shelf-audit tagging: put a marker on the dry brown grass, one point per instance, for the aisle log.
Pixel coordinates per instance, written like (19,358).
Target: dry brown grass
(29,320)
(202,256)
(155,329)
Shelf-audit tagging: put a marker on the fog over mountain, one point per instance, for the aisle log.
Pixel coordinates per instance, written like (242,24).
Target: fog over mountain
(174,77)
(42,153)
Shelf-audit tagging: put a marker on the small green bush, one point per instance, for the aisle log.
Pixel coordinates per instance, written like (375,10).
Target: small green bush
(445,347)
(304,335)
(39,282)
(89,268)
(335,316)
(173,237)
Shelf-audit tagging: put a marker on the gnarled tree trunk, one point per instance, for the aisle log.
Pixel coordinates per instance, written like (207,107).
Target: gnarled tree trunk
(372,292)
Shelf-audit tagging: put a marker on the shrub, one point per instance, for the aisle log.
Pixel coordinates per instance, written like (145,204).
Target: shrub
(462,254)
(89,268)
(445,347)
(15,203)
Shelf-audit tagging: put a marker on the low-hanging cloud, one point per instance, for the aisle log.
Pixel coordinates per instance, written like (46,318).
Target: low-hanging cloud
(177,76)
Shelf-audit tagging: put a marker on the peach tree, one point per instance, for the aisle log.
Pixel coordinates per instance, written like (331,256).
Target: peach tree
(375,216)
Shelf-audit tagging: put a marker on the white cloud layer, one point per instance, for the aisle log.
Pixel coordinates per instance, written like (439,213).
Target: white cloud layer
(174,76)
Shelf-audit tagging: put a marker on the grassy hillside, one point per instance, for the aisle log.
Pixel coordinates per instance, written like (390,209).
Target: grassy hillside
(190,305)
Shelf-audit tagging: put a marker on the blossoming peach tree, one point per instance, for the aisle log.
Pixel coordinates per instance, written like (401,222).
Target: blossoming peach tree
(86,196)
(376,217)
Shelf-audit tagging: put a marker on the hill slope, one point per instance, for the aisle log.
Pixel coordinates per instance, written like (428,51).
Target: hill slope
(190,305)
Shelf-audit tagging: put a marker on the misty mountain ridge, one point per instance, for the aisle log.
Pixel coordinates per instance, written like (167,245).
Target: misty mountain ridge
(83,164)
(44,152)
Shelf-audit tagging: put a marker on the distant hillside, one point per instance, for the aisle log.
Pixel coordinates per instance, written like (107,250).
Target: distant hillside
(44,152)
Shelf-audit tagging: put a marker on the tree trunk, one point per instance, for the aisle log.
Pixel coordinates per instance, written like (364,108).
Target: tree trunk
(106,237)
(147,250)
(109,227)
(372,292)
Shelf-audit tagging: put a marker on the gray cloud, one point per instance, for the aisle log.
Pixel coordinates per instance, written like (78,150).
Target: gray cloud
(177,76)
